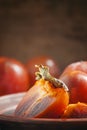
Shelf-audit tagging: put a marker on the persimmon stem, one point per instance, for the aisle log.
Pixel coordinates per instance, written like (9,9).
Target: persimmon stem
(44,74)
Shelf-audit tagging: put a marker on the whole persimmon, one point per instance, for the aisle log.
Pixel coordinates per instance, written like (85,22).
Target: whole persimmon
(13,76)
(75,77)
(47,98)
(44,60)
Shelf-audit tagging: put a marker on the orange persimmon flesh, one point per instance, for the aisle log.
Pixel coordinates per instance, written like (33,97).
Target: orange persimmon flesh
(43,99)
(77,110)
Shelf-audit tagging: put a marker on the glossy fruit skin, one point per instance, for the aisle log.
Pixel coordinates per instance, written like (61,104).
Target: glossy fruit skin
(44,60)
(77,110)
(43,100)
(77,84)
(13,76)
(79,65)
(75,77)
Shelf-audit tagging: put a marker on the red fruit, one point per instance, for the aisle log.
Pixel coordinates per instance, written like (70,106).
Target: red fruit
(76,80)
(44,60)
(13,76)
(47,98)
(79,65)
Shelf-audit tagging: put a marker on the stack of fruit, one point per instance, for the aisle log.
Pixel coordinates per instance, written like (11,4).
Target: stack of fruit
(49,93)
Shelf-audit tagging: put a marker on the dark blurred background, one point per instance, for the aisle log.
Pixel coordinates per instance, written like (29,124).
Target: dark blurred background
(36,27)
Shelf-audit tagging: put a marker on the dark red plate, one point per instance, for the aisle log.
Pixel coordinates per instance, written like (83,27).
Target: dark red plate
(8,104)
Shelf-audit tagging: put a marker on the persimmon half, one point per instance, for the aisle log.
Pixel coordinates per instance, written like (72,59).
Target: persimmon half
(76,110)
(47,98)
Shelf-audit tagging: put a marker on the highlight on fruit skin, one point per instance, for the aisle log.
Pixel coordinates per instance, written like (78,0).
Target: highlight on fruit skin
(77,110)
(47,98)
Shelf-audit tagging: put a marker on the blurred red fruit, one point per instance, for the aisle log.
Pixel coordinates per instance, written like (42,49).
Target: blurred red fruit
(75,77)
(13,76)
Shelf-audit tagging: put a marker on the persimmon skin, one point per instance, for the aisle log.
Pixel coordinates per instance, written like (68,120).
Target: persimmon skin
(77,110)
(79,66)
(13,76)
(77,84)
(75,77)
(56,101)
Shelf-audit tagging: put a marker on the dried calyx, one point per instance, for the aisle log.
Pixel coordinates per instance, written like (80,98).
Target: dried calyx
(44,74)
